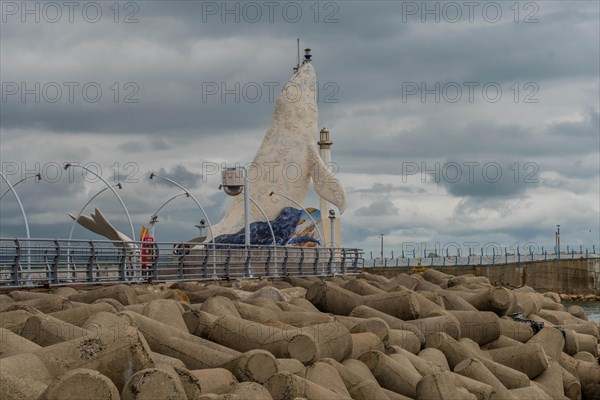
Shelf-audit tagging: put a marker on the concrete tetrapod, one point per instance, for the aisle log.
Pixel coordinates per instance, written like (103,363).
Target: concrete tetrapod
(475,369)
(153,383)
(306,345)
(442,386)
(393,322)
(78,316)
(124,294)
(46,330)
(116,356)
(530,359)
(327,376)
(358,387)
(287,386)
(81,383)
(391,374)
(12,344)
(253,365)
(456,352)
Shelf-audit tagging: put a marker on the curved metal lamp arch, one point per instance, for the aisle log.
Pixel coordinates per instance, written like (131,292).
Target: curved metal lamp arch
(272,233)
(38,176)
(171,181)
(118,185)
(12,189)
(108,186)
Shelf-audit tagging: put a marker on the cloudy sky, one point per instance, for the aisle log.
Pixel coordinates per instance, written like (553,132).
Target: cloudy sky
(452,122)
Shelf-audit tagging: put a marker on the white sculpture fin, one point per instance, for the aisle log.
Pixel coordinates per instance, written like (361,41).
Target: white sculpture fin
(325,183)
(88,223)
(98,224)
(109,231)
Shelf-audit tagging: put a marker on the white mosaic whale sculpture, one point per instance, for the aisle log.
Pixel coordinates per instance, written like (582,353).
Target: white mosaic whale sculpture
(288,158)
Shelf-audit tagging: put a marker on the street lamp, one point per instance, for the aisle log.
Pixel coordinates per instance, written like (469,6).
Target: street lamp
(38,176)
(332,221)
(108,186)
(154,217)
(153,175)
(230,182)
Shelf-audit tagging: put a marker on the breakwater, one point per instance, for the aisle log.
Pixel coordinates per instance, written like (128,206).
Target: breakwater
(572,276)
(424,336)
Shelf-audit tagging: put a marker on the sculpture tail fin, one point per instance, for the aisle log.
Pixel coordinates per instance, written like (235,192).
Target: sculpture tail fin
(326,184)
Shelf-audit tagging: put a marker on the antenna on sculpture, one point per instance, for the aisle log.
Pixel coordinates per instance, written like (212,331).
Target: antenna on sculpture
(297,67)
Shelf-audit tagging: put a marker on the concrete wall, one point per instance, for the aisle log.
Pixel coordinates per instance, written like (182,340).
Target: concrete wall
(578,276)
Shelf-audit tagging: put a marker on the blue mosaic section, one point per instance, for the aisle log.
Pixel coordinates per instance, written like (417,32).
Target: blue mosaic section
(284,227)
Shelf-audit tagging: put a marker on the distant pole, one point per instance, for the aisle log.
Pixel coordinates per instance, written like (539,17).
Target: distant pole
(558,241)
(332,225)
(382,247)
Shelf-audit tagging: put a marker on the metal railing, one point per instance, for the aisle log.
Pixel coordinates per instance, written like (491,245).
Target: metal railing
(502,256)
(38,262)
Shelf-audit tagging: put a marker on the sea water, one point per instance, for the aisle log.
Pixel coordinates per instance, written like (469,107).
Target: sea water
(592,308)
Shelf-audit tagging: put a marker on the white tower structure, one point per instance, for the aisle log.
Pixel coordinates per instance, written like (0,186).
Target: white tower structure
(325,153)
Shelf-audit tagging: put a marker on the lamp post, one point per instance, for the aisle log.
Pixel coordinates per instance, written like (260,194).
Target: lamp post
(153,175)
(154,217)
(108,186)
(230,183)
(38,176)
(332,227)
(332,236)
(558,241)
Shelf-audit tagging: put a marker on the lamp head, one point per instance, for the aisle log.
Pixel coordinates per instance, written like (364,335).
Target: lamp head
(67,165)
(151,176)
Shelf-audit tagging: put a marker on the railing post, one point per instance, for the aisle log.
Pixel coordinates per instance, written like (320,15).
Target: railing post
(301,265)
(123,264)
(90,263)
(248,272)
(16,263)
(205,261)
(181,262)
(285,260)
(268,261)
(343,266)
(316,266)
(331,269)
(55,261)
(227,260)
(155,262)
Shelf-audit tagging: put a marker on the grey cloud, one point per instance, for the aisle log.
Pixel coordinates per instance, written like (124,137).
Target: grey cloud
(378,208)
(181,175)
